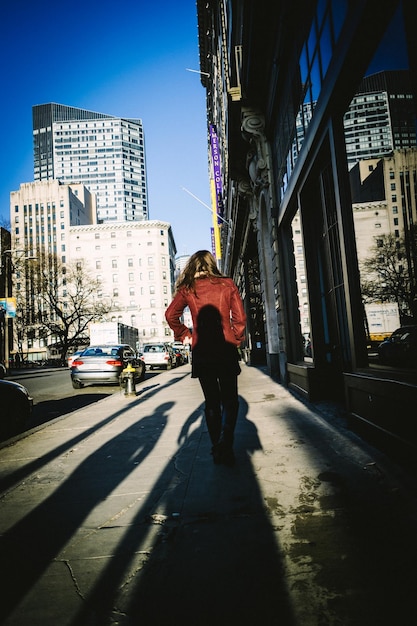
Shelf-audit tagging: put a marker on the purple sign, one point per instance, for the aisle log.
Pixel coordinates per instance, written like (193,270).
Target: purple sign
(213,242)
(217,173)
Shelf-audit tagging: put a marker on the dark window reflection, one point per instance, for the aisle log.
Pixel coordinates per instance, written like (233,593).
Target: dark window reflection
(381,149)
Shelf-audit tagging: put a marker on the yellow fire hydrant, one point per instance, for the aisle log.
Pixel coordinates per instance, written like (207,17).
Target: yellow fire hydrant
(128,377)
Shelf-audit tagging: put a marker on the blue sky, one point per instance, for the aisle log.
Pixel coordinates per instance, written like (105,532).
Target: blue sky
(129,59)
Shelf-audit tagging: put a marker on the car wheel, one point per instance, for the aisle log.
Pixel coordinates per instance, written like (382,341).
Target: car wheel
(15,420)
(382,359)
(77,384)
(168,366)
(22,414)
(7,427)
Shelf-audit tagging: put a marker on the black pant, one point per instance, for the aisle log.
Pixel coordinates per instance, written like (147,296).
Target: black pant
(220,392)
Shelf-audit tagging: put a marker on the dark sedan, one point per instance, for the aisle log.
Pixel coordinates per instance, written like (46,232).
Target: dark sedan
(16,408)
(400,348)
(102,365)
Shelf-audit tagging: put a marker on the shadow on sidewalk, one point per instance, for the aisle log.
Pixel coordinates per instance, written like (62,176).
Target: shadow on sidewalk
(215,561)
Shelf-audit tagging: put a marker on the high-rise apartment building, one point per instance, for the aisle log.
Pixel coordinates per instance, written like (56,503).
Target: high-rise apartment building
(133,262)
(135,266)
(385,191)
(381,117)
(42,212)
(102,152)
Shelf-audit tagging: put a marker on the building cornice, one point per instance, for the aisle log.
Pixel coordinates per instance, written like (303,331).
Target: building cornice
(142,225)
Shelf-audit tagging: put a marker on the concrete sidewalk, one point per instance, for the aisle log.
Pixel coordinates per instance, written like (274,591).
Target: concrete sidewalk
(116,514)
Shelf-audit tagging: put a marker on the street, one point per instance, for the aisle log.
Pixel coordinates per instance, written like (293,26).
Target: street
(53,394)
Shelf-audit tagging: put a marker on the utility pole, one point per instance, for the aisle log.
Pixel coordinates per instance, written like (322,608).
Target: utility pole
(9,308)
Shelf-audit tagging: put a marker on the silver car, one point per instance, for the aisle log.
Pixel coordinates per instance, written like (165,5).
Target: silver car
(104,364)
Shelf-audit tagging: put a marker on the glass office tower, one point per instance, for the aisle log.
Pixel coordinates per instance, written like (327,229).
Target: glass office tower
(381,117)
(103,152)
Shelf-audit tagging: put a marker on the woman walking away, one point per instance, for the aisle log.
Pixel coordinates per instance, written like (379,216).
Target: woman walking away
(219,323)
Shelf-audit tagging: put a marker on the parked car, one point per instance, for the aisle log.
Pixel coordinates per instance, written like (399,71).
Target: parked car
(101,365)
(180,354)
(71,358)
(179,358)
(158,355)
(400,348)
(16,408)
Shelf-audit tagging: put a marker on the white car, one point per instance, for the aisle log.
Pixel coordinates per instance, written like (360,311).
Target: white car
(157,355)
(74,356)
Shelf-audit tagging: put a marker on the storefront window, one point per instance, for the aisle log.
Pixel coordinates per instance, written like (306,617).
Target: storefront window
(382,158)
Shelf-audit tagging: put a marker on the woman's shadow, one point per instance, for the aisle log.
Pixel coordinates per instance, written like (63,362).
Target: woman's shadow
(215,560)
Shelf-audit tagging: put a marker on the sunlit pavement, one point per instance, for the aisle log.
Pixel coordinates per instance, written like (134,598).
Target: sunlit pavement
(116,514)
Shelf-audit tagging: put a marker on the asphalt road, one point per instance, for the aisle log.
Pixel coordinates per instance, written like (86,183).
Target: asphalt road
(53,394)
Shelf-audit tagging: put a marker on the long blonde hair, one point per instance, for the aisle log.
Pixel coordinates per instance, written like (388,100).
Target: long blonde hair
(201,263)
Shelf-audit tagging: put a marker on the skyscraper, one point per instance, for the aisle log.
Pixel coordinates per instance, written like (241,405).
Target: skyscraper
(103,152)
(381,117)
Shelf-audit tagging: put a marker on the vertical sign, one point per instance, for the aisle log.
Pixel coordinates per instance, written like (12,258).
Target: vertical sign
(216,190)
(213,242)
(217,173)
(216,230)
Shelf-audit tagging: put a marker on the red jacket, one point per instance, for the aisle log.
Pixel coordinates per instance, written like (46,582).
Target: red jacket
(220,293)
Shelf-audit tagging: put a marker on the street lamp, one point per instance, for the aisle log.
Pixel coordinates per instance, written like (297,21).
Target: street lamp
(7,312)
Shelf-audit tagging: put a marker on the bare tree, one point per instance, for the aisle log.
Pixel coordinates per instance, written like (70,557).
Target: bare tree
(60,302)
(388,274)
(5,223)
